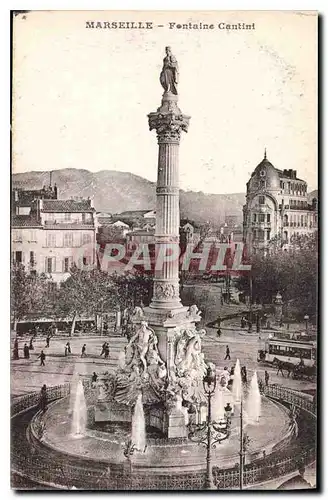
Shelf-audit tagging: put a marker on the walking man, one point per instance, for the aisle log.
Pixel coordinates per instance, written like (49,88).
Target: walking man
(103,348)
(227,356)
(84,348)
(106,350)
(48,340)
(258,323)
(42,357)
(43,398)
(219,332)
(67,348)
(26,351)
(266,378)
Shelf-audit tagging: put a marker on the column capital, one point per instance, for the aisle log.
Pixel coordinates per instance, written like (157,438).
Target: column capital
(168,120)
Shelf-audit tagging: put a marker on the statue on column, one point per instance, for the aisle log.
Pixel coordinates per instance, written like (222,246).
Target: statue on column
(170,73)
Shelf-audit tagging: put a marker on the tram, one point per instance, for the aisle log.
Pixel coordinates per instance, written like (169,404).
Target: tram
(289,350)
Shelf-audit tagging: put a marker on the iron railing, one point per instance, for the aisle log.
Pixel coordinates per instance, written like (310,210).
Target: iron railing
(49,469)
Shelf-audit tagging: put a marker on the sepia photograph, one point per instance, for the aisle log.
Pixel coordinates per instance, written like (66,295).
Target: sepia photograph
(164,250)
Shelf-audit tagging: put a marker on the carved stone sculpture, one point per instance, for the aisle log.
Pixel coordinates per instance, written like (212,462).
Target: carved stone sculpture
(137,313)
(194,311)
(169,76)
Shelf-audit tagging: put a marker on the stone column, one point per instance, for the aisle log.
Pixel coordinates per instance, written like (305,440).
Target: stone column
(168,121)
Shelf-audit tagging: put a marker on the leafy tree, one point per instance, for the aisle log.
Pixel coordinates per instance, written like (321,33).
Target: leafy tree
(293,273)
(133,289)
(85,292)
(29,294)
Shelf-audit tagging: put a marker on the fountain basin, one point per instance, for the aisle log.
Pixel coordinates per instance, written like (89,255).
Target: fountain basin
(270,434)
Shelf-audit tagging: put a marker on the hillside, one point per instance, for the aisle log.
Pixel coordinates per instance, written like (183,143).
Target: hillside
(116,192)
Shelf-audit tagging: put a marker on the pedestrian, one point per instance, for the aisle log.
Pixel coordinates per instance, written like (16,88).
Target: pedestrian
(43,398)
(26,351)
(103,347)
(48,340)
(84,348)
(219,332)
(227,356)
(94,377)
(249,326)
(106,350)
(258,323)
(219,321)
(16,343)
(68,347)
(265,320)
(243,322)
(42,357)
(266,378)
(31,347)
(15,353)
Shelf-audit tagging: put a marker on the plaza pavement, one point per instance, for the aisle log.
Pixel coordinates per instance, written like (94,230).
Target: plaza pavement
(28,375)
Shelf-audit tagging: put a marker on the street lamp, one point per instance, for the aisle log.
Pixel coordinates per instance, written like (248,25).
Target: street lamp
(306,319)
(209,433)
(241,451)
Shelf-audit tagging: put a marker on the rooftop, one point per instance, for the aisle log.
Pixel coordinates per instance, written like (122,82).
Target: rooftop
(25,221)
(67,206)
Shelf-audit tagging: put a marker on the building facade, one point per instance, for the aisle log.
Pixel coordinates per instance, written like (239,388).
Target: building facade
(277,209)
(50,235)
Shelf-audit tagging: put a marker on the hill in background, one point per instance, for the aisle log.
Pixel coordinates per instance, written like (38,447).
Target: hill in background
(117,192)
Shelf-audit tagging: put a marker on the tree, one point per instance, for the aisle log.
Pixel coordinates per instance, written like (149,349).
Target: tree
(133,289)
(29,294)
(85,292)
(293,273)
(20,293)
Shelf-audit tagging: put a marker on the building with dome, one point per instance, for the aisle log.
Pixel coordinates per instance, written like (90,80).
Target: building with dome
(277,208)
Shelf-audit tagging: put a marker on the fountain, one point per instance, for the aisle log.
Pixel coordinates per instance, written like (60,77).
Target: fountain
(73,389)
(163,358)
(237,386)
(138,433)
(79,418)
(253,402)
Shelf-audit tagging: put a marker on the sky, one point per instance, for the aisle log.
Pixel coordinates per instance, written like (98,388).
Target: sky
(81,96)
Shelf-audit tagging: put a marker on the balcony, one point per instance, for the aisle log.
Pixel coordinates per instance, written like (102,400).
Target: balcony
(286,224)
(68,222)
(261,224)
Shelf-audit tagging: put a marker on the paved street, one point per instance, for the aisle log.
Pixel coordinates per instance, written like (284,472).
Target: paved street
(28,375)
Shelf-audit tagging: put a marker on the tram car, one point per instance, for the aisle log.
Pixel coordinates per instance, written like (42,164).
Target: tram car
(289,350)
